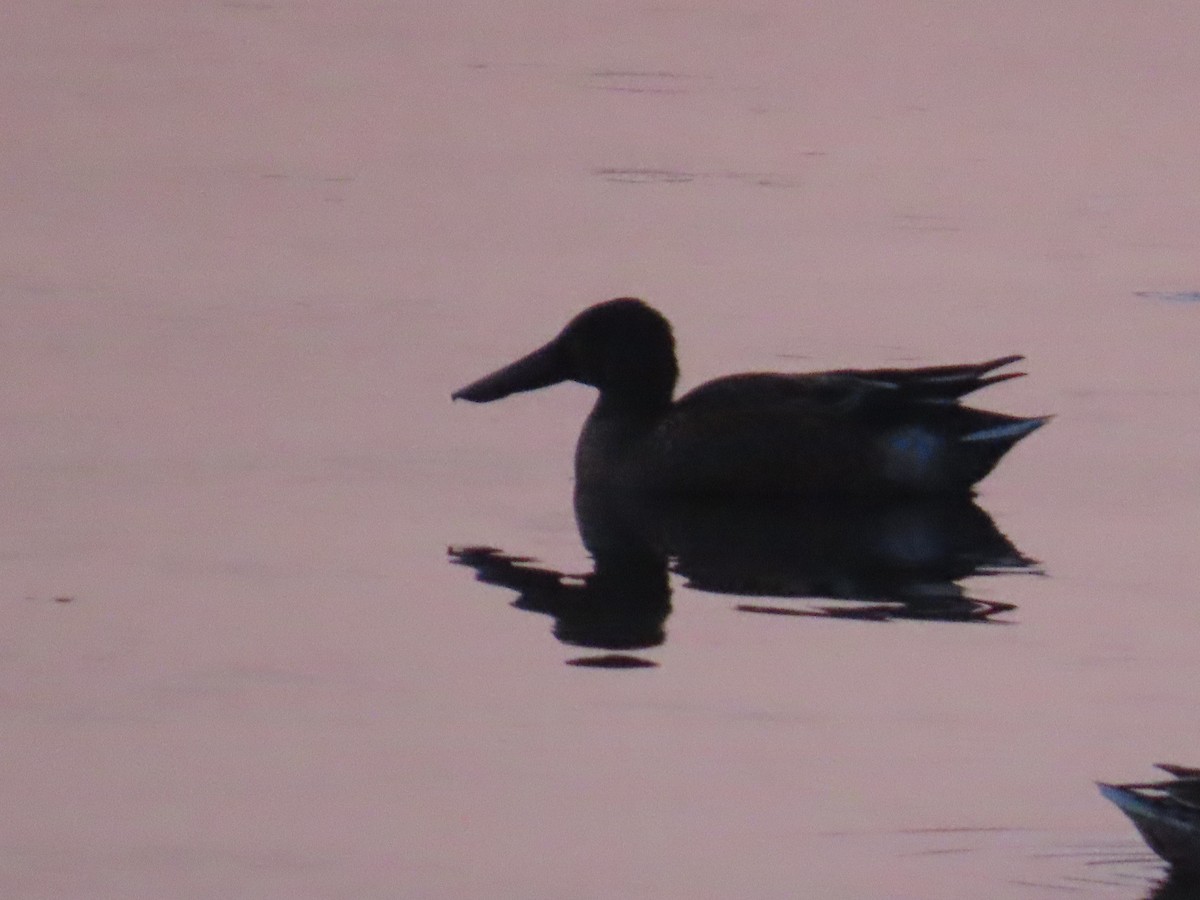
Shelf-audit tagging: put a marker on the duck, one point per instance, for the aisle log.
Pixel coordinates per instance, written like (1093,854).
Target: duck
(866,432)
(1166,813)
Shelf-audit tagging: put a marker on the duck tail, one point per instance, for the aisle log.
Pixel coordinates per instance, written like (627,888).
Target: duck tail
(988,436)
(1137,807)
(1005,433)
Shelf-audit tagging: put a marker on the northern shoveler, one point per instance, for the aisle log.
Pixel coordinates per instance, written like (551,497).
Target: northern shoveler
(1167,813)
(867,432)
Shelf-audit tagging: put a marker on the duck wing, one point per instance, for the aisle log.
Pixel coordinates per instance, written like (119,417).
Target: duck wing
(850,430)
(938,383)
(1178,771)
(843,390)
(758,393)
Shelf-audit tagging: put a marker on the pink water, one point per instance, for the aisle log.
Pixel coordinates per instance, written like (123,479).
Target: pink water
(247,251)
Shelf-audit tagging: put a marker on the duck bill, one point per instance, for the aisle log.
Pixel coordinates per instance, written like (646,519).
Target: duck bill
(541,368)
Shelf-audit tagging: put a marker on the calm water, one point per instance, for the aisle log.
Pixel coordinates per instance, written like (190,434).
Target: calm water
(250,248)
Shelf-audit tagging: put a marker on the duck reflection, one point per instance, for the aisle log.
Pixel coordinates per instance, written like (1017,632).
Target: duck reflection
(875,561)
(620,606)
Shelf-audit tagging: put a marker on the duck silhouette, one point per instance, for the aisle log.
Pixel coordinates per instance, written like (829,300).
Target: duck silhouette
(1167,814)
(871,432)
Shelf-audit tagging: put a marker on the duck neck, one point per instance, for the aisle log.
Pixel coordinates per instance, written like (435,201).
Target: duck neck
(613,436)
(641,404)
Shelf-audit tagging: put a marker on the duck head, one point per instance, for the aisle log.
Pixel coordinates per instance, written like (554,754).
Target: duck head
(622,347)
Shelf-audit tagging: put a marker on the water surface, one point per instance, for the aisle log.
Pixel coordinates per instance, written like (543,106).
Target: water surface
(249,249)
